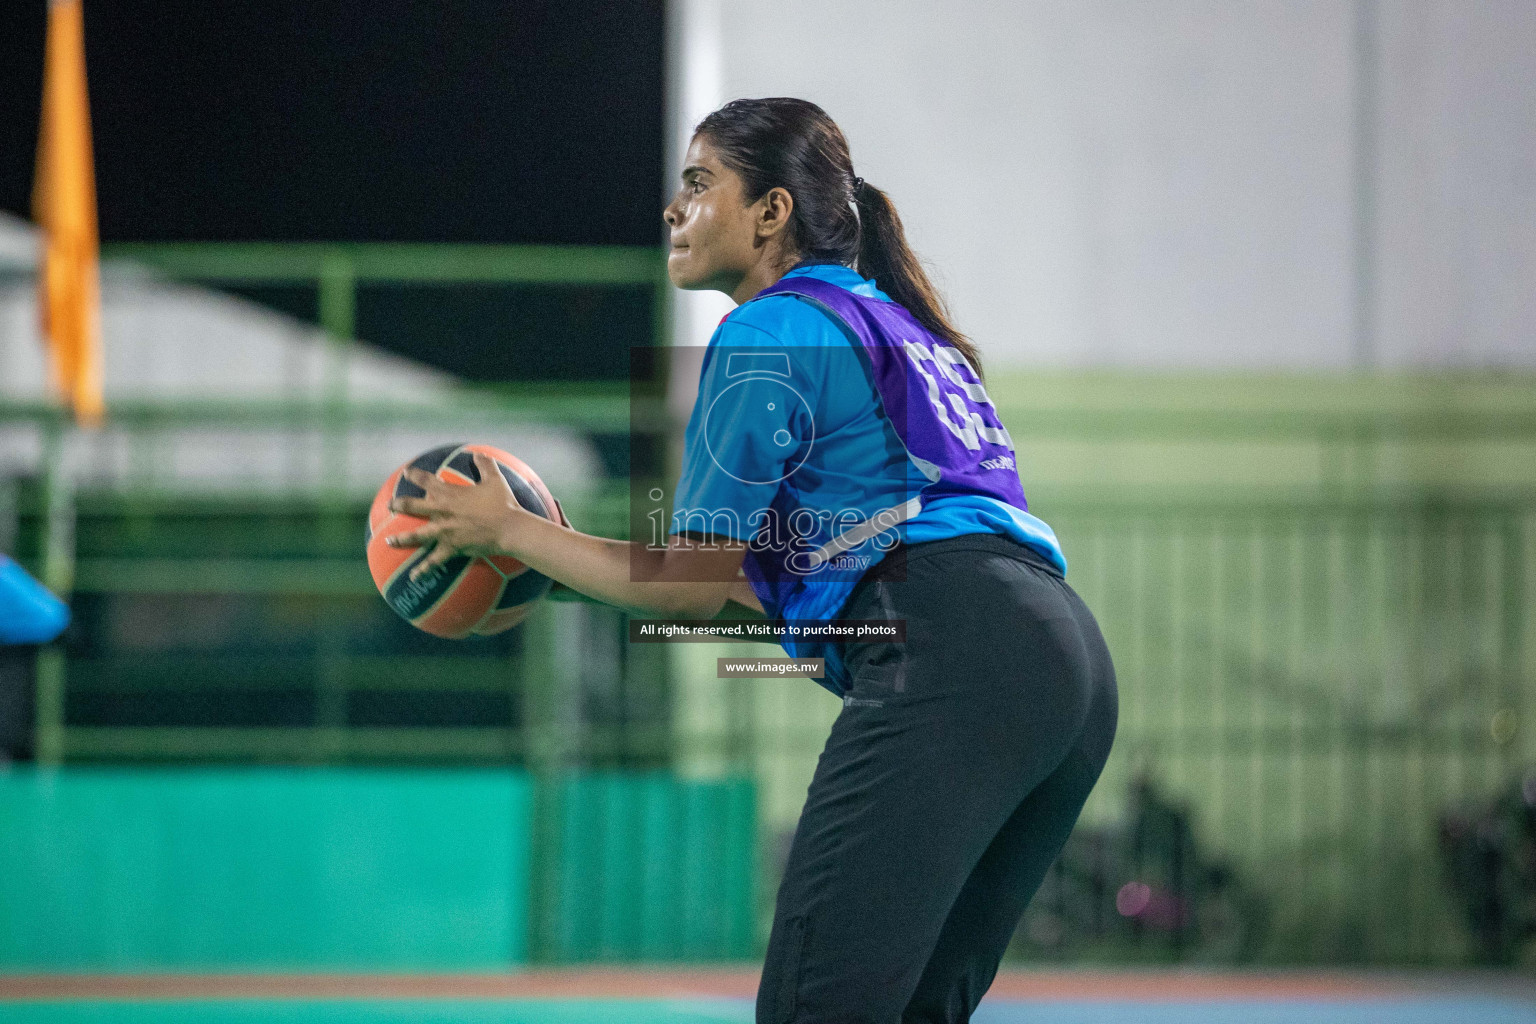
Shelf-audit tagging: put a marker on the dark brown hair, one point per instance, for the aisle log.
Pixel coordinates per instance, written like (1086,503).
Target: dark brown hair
(793,144)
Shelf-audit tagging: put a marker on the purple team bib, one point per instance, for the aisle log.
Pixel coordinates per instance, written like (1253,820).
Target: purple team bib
(934,399)
(930,391)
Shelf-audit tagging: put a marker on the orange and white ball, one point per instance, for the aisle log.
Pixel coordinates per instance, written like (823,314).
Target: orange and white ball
(465,596)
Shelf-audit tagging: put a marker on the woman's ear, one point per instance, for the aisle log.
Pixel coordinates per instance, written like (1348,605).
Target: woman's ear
(773,213)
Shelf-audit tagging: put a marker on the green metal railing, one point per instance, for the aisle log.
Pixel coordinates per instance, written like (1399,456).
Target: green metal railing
(335,271)
(1317,592)
(1321,679)
(326,565)
(1318,678)
(1321,612)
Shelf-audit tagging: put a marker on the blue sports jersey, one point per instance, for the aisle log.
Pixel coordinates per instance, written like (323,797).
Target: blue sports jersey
(828,426)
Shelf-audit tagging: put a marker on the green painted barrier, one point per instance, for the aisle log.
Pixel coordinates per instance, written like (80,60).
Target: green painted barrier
(335,869)
(263,869)
(654,868)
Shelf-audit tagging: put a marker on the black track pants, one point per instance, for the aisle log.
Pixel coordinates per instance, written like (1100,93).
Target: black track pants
(947,786)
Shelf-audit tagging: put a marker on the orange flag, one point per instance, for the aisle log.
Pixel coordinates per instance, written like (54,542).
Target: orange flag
(64,204)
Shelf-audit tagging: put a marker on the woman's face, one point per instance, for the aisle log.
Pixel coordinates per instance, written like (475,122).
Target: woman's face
(715,237)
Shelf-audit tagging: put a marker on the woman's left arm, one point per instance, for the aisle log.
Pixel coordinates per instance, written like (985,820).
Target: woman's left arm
(685,580)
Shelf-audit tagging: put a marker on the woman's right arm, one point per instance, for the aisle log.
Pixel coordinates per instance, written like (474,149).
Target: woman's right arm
(687,579)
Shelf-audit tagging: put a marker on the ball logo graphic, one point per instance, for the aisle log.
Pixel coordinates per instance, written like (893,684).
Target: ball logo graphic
(744,425)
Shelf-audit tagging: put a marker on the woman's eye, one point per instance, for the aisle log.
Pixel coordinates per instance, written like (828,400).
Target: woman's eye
(696,187)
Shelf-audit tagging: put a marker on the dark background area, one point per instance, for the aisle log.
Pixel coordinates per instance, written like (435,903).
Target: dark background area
(470,121)
(394,120)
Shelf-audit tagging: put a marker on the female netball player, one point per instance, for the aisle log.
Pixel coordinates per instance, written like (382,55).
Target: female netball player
(846,461)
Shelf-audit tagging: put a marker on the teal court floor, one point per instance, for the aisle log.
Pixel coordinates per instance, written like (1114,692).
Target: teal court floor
(725,997)
(1421,1011)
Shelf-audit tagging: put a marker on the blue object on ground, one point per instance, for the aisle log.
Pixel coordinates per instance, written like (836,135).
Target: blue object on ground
(29,614)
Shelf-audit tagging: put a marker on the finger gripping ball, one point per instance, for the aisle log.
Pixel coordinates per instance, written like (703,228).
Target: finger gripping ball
(465,596)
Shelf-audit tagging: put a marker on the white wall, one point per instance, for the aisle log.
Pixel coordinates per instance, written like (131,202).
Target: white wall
(1172,183)
(1458,230)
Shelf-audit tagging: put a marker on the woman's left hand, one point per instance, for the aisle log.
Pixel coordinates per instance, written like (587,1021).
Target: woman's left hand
(479,519)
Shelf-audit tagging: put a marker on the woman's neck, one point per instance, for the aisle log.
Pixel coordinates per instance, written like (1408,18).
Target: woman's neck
(766,272)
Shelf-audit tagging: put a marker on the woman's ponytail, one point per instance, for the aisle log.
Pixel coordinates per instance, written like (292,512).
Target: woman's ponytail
(885,256)
(792,143)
